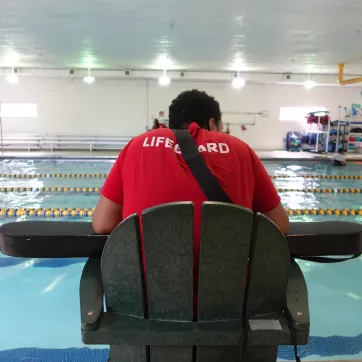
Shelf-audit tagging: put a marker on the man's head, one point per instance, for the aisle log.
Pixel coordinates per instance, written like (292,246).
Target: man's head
(195,106)
(341,151)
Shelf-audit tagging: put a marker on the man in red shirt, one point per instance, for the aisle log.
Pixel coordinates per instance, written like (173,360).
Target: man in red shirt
(154,158)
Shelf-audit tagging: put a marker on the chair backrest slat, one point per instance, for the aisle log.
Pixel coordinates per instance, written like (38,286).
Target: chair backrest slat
(168,242)
(122,269)
(269,270)
(225,238)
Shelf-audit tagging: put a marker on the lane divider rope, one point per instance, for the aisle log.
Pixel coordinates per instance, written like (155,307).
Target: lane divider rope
(47,212)
(52,175)
(324,177)
(89,190)
(51,189)
(323,191)
(328,212)
(104,175)
(80,212)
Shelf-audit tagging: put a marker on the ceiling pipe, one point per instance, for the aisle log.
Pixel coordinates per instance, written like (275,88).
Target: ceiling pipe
(348,81)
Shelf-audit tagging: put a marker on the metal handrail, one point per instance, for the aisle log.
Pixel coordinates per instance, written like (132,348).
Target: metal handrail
(63,142)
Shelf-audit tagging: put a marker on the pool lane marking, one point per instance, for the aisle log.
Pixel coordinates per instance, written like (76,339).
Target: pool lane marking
(85,190)
(322,190)
(96,190)
(323,177)
(52,175)
(104,175)
(85,212)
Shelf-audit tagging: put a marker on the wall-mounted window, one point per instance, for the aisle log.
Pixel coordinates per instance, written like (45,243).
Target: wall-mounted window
(18,110)
(297,113)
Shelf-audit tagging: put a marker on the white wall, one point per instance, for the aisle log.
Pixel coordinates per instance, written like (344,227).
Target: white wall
(119,107)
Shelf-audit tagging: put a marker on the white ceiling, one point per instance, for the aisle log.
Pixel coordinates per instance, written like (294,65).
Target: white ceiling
(266,36)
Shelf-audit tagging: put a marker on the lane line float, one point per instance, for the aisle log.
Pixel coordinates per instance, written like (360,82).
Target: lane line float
(84,190)
(104,175)
(322,191)
(85,212)
(96,190)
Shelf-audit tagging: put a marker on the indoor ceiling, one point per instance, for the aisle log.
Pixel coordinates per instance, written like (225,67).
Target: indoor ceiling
(308,36)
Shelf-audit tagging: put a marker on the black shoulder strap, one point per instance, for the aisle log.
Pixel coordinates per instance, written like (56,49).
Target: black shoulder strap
(205,178)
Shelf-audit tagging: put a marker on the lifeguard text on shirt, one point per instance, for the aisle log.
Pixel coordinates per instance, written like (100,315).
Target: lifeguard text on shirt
(169,143)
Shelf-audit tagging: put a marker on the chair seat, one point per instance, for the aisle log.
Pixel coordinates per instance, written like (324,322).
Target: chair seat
(116,328)
(120,329)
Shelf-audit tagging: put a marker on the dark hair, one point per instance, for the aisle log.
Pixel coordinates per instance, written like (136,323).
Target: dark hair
(341,150)
(193,106)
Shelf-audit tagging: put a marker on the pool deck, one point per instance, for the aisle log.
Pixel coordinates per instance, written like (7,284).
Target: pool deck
(264,155)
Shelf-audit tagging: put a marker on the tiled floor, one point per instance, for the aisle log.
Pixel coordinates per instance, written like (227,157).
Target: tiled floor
(113,154)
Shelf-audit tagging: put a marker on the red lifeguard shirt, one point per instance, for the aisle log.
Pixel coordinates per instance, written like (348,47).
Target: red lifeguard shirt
(151,171)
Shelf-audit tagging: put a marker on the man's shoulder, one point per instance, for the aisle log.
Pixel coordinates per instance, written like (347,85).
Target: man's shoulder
(157,139)
(159,132)
(156,132)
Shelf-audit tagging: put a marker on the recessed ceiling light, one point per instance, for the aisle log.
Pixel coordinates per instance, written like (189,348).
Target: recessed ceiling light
(164,79)
(164,62)
(238,64)
(309,84)
(11,58)
(238,82)
(89,79)
(13,78)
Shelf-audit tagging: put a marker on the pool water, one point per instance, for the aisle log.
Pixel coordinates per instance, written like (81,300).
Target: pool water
(40,304)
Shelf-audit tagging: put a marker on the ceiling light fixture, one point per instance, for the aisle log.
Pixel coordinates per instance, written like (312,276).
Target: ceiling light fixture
(164,80)
(238,63)
(89,79)
(309,84)
(13,78)
(164,62)
(238,82)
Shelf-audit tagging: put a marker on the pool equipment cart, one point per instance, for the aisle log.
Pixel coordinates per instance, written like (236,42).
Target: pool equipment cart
(155,319)
(347,131)
(338,136)
(355,134)
(316,136)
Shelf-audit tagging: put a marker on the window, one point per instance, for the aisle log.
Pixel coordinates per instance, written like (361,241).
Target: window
(19,110)
(297,113)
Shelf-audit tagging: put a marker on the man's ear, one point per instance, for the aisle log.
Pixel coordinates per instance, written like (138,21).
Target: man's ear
(213,125)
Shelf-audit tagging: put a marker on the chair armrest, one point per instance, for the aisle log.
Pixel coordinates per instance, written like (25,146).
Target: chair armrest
(297,308)
(91,294)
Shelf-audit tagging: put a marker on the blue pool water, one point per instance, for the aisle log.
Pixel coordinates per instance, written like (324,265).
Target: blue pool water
(39,298)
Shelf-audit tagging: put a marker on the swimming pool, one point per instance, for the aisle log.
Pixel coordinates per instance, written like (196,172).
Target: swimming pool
(39,299)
